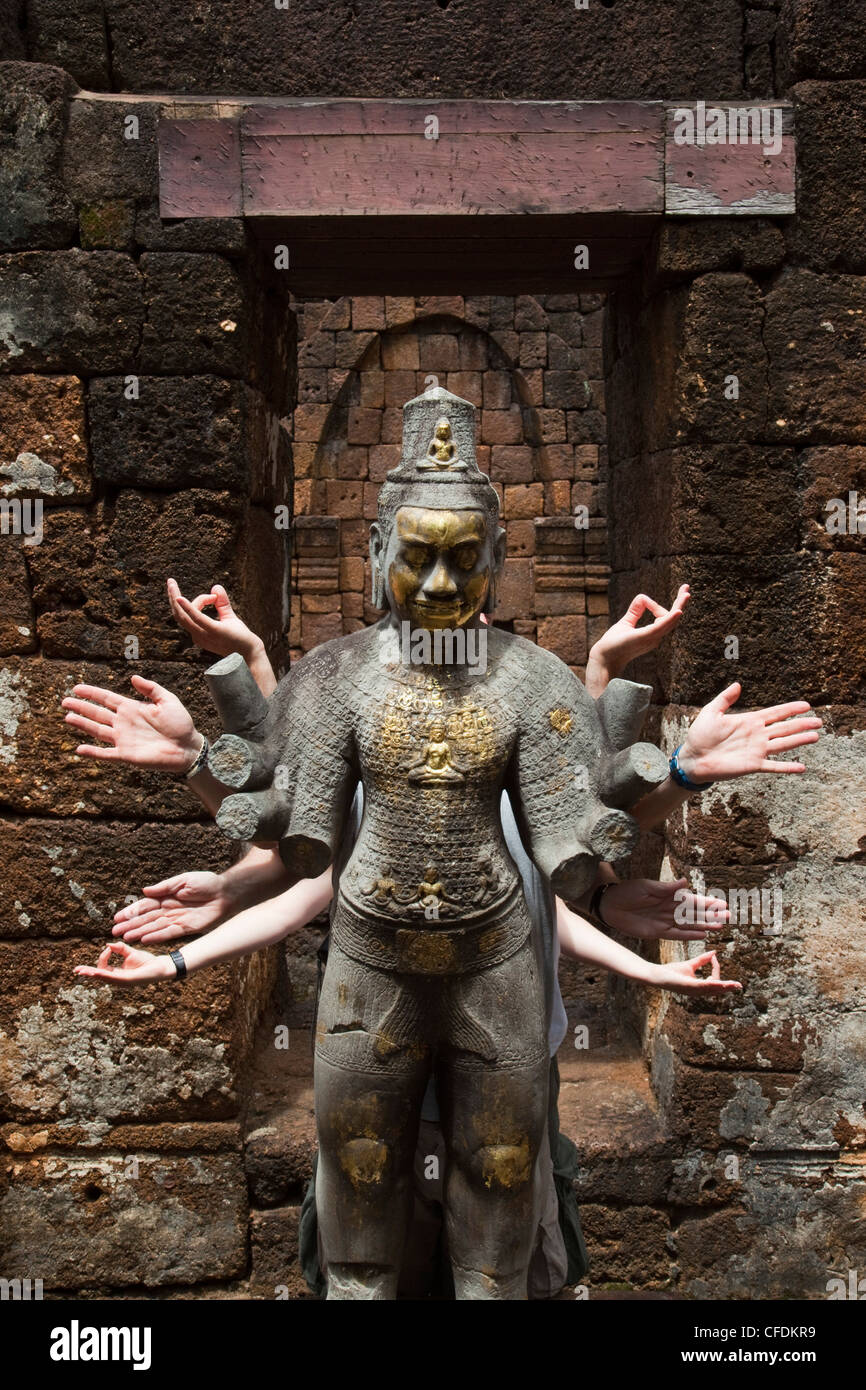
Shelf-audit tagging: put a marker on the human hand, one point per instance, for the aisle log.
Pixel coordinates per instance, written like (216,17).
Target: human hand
(135,968)
(682,977)
(224,634)
(180,906)
(154,732)
(720,745)
(624,640)
(649,910)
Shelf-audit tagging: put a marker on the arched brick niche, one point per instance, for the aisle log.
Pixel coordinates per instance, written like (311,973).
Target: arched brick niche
(532,366)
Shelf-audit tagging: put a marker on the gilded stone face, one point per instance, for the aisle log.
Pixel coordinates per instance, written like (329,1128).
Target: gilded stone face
(438,566)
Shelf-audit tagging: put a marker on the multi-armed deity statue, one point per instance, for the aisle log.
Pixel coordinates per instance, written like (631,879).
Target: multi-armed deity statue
(433,965)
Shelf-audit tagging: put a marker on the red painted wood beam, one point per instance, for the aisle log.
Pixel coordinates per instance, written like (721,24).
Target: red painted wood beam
(347,158)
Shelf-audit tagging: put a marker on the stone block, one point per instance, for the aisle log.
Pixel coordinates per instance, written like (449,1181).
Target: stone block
(400,352)
(627,1245)
(512,463)
(100,580)
(368,312)
(35,209)
(718,244)
(352,460)
(566,390)
(722,339)
(514,590)
(815,336)
(440,306)
(72,39)
(70,311)
(180,432)
(529,315)
(96,1221)
(105,155)
(496,390)
(830,182)
(399,310)
(196,318)
(364,425)
(318,351)
(829,477)
(555,461)
(107,225)
(521,538)
(90,1053)
(42,773)
(533,350)
(345,498)
(821,39)
(465,384)
(310,421)
(566,636)
(382,458)
(44,438)
(63,878)
(438,352)
(17,622)
(276,1272)
(523,502)
(474,352)
(502,426)
(373,389)
(220,235)
(399,387)
(320,627)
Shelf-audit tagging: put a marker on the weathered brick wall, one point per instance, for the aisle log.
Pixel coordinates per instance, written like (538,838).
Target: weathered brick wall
(730,495)
(134,410)
(533,368)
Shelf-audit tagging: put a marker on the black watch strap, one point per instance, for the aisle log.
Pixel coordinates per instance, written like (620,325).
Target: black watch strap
(179,964)
(595,903)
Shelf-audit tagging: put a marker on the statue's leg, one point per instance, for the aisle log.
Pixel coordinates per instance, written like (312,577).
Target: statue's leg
(492,1083)
(371,1070)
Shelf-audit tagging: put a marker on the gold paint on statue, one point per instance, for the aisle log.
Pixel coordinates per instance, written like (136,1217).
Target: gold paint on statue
(506,1165)
(428,951)
(438,577)
(561,721)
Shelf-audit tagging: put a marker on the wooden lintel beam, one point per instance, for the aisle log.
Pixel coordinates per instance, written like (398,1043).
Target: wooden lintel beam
(463,159)
(200,168)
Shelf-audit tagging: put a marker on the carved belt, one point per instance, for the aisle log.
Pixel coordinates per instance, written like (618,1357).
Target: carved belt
(434,951)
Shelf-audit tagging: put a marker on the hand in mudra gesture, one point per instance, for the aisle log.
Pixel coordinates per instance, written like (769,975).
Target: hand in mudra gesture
(222,634)
(720,744)
(134,967)
(156,731)
(624,640)
(682,976)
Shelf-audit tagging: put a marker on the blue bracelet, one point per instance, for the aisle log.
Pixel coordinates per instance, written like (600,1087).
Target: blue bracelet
(679,776)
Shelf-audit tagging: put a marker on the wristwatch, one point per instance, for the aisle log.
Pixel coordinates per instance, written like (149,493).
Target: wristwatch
(595,903)
(179,965)
(200,760)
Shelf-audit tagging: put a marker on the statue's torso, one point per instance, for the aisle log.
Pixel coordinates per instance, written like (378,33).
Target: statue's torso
(433,746)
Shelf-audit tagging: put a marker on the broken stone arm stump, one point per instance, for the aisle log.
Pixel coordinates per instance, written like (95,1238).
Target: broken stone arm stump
(577,766)
(286,766)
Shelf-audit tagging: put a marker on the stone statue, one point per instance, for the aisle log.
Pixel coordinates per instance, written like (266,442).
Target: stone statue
(432,964)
